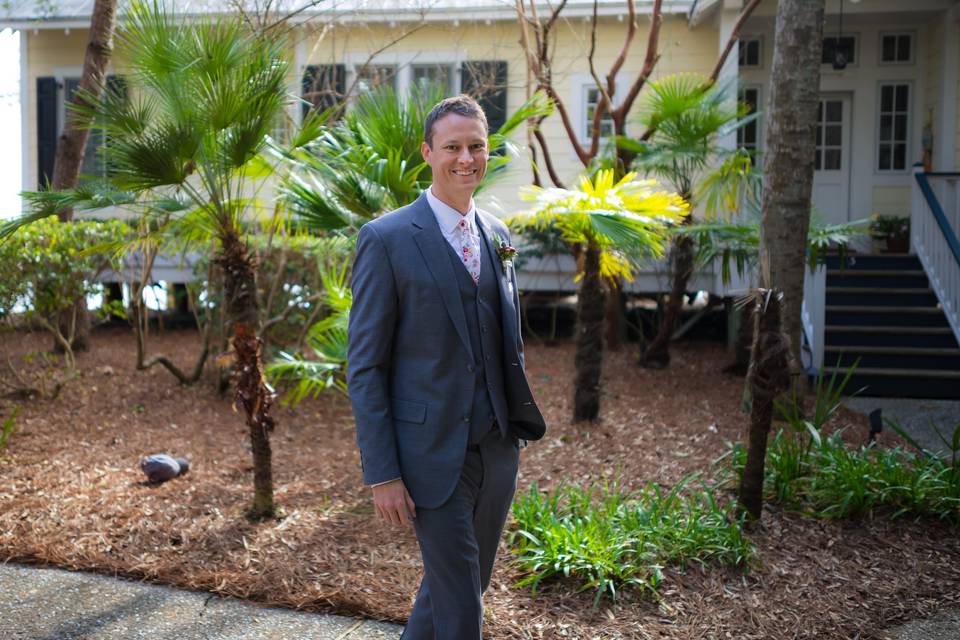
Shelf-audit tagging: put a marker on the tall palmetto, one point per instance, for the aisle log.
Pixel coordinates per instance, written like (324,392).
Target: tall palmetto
(181,153)
(689,115)
(347,172)
(614,223)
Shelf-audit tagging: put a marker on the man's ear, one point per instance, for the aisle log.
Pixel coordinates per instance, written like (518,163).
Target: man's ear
(425,151)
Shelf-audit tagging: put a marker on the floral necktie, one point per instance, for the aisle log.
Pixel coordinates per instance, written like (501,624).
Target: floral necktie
(469,249)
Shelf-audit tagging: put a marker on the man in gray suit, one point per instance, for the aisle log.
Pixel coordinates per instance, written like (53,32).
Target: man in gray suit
(436,374)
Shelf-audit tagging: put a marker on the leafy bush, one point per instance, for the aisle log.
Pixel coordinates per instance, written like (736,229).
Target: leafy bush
(47,265)
(7,426)
(607,539)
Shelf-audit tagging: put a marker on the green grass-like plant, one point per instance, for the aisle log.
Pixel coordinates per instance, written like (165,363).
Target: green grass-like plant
(826,477)
(607,539)
(7,427)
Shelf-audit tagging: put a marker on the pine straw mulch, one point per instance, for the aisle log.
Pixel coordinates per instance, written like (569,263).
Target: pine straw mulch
(71,495)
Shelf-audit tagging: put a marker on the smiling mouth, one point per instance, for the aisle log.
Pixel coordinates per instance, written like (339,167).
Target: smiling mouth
(464,172)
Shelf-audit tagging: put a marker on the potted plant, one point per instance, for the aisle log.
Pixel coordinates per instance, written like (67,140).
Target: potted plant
(893,230)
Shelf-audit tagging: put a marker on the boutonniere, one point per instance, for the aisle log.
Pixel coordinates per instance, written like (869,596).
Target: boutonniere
(505,251)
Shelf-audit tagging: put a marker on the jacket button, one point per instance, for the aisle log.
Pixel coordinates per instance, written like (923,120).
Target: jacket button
(471,368)
(466,417)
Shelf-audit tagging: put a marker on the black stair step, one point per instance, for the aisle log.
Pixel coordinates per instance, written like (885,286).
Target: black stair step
(901,383)
(874,261)
(885,316)
(873,357)
(900,279)
(890,336)
(882,296)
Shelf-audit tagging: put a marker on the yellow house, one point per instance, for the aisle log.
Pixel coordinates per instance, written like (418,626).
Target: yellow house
(889,95)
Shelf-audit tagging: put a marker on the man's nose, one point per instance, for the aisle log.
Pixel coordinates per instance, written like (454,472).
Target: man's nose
(464,156)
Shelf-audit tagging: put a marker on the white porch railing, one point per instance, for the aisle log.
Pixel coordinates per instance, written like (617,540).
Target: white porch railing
(934,222)
(812,314)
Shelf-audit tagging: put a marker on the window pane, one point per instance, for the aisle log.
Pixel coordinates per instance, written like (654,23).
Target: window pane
(375,76)
(831,159)
(827,52)
(889,49)
(900,156)
(427,75)
(819,135)
(903,93)
(833,136)
(884,160)
(903,48)
(886,98)
(886,128)
(816,161)
(834,111)
(753,53)
(900,127)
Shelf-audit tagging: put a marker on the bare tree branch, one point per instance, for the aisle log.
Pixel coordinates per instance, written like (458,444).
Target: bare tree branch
(650,61)
(734,37)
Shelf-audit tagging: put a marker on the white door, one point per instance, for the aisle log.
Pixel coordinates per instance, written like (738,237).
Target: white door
(831,176)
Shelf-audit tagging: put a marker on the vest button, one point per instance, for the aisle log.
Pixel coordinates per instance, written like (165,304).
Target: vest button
(471,368)
(466,417)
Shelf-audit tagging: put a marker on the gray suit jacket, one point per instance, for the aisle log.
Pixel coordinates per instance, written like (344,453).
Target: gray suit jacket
(410,361)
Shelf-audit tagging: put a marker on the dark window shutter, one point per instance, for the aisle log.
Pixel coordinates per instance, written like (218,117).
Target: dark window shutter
(99,139)
(46,129)
(324,86)
(486,80)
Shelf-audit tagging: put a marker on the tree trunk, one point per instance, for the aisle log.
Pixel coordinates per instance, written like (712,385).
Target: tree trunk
(69,156)
(789,156)
(589,356)
(253,395)
(614,308)
(657,353)
(768,377)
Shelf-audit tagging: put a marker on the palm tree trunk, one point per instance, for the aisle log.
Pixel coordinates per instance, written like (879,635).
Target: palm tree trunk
(69,156)
(789,155)
(768,377)
(589,357)
(253,396)
(657,353)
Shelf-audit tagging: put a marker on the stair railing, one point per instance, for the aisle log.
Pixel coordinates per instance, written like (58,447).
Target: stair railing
(812,316)
(934,221)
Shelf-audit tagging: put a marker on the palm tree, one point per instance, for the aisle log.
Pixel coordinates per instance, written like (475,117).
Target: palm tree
(688,116)
(183,153)
(613,223)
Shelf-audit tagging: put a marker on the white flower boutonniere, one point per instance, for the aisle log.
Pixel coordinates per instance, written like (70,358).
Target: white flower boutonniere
(505,251)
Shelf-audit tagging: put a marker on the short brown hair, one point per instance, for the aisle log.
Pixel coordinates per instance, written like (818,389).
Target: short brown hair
(462,105)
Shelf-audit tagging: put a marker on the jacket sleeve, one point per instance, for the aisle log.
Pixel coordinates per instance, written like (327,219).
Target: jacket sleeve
(516,305)
(373,320)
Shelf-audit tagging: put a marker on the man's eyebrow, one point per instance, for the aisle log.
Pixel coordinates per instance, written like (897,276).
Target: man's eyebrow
(457,141)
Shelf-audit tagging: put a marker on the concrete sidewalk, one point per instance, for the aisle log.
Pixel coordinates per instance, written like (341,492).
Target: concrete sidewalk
(52,604)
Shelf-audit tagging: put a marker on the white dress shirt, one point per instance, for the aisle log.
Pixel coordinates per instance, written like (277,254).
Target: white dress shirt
(448,218)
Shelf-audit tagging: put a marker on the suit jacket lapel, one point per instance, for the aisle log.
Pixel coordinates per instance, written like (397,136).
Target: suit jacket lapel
(508,310)
(433,248)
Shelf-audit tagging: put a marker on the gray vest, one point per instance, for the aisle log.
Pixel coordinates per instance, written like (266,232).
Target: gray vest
(481,306)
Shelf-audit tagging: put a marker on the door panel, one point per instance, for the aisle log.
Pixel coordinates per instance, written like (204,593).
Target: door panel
(831,176)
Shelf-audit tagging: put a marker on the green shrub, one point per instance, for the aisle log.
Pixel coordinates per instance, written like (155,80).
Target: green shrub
(606,538)
(826,477)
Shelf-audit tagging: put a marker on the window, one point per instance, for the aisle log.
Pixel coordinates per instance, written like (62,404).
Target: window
(896,48)
(374,76)
(427,75)
(749,52)
(829,153)
(845,45)
(93,162)
(591,97)
(323,86)
(893,136)
(748,136)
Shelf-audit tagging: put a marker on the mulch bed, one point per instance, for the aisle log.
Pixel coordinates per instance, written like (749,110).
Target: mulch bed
(71,495)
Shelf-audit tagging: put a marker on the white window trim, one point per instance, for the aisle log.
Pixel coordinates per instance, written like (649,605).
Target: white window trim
(579,83)
(759,121)
(828,66)
(908,163)
(747,38)
(913,48)
(404,62)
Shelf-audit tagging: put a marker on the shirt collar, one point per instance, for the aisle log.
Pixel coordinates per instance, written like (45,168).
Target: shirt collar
(447,217)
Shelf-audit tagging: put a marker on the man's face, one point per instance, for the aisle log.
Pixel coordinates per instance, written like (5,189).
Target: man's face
(458,156)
